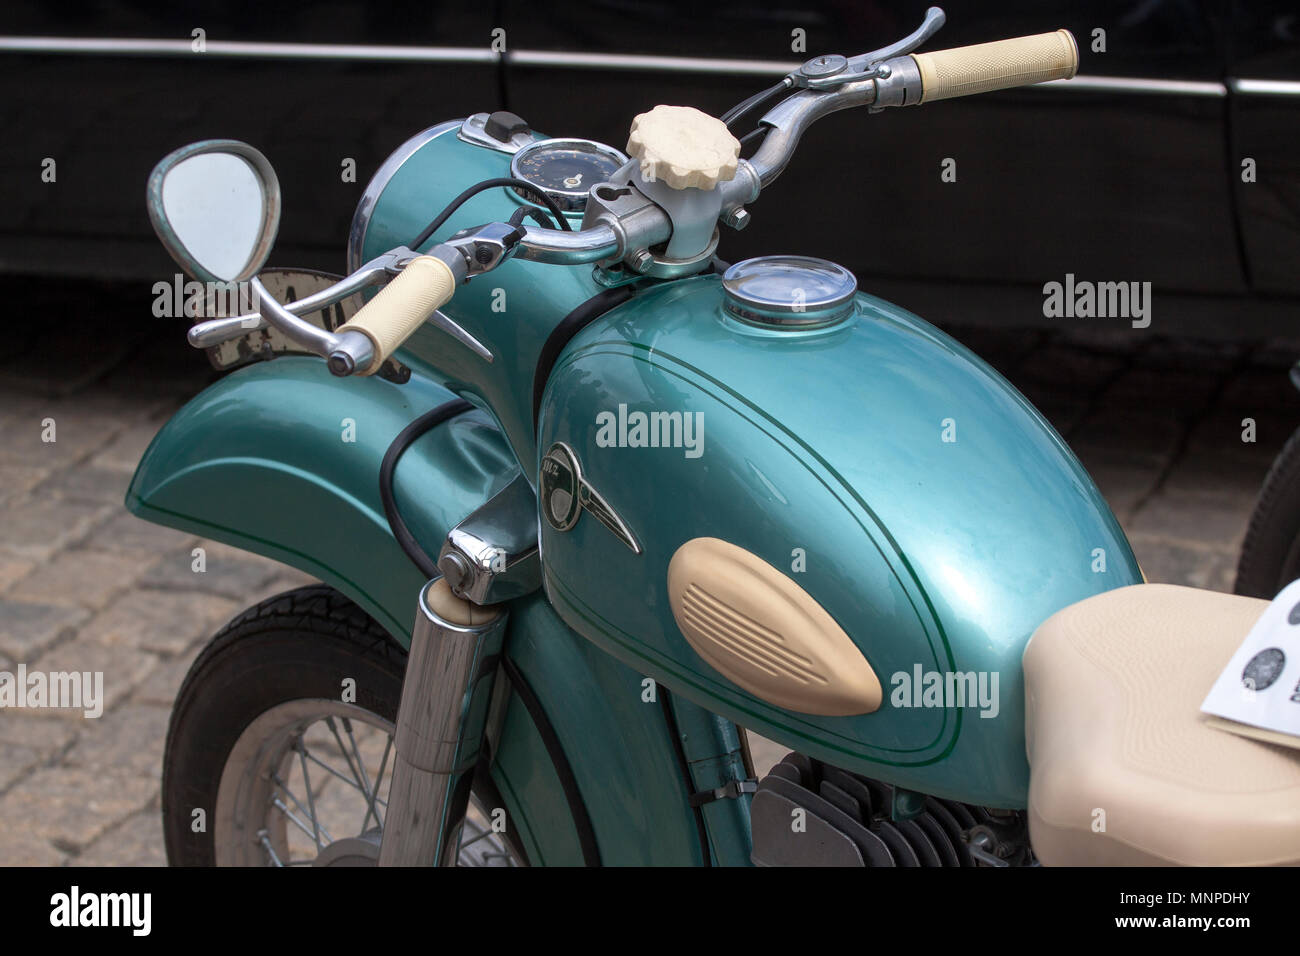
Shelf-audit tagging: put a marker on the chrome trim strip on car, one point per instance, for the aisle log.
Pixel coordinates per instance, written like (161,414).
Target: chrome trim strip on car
(567,60)
(650,63)
(1132,84)
(1265,87)
(366,205)
(138,46)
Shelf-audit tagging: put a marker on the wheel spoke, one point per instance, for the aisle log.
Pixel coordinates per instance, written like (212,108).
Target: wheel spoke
(350,781)
(374,795)
(266,845)
(361,766)
(292,816)
(311,800)
(329,722)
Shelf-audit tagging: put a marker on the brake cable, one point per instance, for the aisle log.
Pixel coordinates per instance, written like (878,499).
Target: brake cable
(477,188)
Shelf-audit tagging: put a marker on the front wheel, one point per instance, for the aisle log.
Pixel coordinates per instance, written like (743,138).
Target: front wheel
(280,748)
(1270,555)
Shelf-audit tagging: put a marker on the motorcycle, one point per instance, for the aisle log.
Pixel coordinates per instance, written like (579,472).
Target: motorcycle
(647,502)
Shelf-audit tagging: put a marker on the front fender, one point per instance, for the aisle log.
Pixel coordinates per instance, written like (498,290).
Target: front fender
(282,459)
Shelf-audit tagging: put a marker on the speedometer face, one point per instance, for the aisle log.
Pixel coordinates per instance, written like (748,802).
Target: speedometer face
(565,169)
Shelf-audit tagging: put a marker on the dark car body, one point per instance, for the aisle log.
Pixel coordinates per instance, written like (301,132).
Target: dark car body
(1131,172)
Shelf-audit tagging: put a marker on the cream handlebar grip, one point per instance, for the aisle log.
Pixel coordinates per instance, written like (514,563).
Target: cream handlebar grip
(401,307)
(997,66)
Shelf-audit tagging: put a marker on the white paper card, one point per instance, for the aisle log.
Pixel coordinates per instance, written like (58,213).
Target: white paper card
(1260,686)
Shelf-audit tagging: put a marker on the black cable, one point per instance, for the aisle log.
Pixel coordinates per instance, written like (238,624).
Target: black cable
(559,760)
(582,315)
(744,106)
(405,540)
(749,137)
(531,212)
(684,768)
(477,188)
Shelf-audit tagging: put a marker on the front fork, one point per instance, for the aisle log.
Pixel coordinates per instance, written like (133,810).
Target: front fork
(451,668)
(445,716)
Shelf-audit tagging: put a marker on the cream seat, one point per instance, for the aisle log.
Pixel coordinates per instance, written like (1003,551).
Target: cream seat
(1113,689)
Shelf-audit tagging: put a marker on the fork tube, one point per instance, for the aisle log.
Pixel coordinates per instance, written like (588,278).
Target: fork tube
(455,649)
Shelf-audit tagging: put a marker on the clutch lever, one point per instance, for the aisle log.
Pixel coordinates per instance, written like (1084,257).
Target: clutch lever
(205,335)
(832,71)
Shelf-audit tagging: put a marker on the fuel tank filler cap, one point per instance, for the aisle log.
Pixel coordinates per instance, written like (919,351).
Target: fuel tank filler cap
(789,292)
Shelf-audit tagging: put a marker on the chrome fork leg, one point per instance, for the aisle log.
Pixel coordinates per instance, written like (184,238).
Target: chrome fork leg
(446,694)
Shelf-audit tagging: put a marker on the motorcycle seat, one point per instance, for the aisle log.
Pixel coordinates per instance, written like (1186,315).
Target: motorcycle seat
(1124,769)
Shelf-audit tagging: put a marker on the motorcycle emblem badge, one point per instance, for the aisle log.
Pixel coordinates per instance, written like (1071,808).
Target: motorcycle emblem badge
(565,493)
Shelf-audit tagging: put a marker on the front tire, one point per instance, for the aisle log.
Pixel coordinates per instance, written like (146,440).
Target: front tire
(1270,554)
(282,737)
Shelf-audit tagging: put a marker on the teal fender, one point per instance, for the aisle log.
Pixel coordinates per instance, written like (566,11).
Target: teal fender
(885,469)
(282,459)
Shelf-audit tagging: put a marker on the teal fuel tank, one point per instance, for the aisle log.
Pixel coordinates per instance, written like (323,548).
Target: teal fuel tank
(918,503)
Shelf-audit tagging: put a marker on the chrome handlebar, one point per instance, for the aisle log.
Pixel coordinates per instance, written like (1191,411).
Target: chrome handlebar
(886,77)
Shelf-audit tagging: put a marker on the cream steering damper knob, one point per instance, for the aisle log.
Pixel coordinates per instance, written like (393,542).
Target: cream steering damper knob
(683,148)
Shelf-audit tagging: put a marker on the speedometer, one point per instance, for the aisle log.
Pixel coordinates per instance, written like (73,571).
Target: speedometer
(565,169)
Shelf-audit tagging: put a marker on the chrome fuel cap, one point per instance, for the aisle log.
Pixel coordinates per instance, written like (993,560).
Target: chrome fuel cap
(791,292)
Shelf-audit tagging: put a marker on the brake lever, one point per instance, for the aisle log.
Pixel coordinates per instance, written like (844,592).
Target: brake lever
(831,71)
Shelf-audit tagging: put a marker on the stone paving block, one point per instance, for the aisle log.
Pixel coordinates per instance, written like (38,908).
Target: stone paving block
(48,738)
(15,480)
(1124,341)
(131,738)
(290,580)
(15,761)
(78,431)
(161,687)
(1263,389)
(80,578)
(1065,370)
(1189,390)
(1137,436)
(137,842)
(127,534)
(124,669)
(90,365)
(224,574)
(1191,518)
(1222,434)
(1203,356)
(165,622)
(126,450)
(19,847)
(71,806)
(26,629)
(1279,354)
(38,527)
(86,483)
(1232,481)
(1171,562)
(12,569)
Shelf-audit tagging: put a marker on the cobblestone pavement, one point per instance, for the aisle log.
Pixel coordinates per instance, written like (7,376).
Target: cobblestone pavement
(86,586)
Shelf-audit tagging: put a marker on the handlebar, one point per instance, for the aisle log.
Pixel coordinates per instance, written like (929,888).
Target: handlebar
(892,76)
